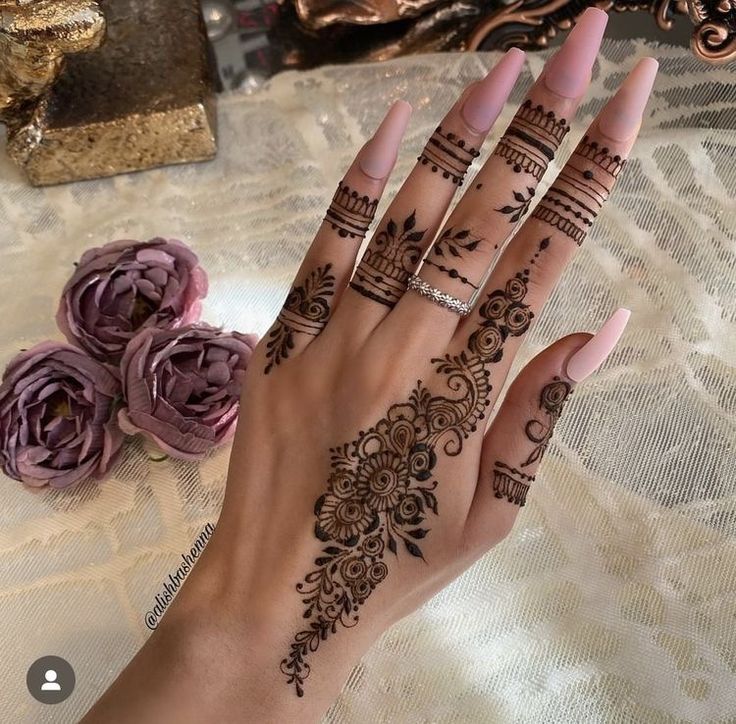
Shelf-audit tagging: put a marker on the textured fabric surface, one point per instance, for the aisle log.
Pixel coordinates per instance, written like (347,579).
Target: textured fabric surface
(614,599)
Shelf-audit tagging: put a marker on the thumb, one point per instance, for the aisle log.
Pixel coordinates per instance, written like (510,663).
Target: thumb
(518,437)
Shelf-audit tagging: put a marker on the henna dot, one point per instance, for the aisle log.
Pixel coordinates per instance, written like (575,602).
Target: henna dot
(454,273)
(479,186)
(434,169)
(461,143)
(577,214)
(539,107)
(473,428)
(517,168)
(588,174)
(617,157)
(486,373)
(450,136)
(487,403)
(605,149)
(445,174)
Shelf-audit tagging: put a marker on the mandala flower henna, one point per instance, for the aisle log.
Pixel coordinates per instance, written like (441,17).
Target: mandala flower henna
(579,192)
(451,244)
(531,140)
(384,270)
(305,311)
(551,401)
(448,154)
(510,483)
(350,213)
(380,493)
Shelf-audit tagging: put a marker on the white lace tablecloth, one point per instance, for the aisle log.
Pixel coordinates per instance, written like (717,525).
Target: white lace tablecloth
(614,600)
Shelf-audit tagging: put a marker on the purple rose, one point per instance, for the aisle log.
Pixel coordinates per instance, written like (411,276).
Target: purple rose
(126,286)
(57,420)
(182,387)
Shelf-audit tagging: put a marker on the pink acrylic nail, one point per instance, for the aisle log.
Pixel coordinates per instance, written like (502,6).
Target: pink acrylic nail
(591,356)
(568,73)
(379,155)
(485,101)
(620,118)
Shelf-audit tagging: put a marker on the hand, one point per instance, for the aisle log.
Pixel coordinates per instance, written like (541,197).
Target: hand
(365,475)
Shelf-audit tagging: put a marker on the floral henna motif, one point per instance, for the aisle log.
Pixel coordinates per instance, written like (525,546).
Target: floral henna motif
(305,311)
(380,493)
(384,270)
(511,483)
(551,401)
(579,192)
(449,155)
(451,244)
(531,140)
(350,213)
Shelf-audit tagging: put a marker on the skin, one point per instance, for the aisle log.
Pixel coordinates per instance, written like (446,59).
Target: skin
(216,654)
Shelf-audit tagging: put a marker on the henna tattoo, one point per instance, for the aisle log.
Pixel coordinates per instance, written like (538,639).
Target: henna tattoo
(387,263)
(350,213)
(581,189)
(447,154)
(551,401)
(380,492)
(305,311)
(453,243)
(511,483)
(522,206)
(531,140)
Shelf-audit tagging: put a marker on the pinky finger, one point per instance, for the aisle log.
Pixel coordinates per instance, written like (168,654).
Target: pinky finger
(518,437)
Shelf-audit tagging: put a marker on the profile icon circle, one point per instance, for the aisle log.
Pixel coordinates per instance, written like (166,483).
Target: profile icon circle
(50,679)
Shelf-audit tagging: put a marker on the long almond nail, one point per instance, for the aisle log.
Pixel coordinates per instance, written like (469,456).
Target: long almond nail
(594,353)
(485,101)
(621,117)
(568,73)
(378,156)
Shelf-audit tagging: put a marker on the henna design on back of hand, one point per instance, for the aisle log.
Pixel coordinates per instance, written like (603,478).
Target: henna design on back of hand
(551,401)
(305,311)
(380,492)
(451,245)
(532,139)
(511,483)
(351,213)
(389,260)
(448,154)
(579,192)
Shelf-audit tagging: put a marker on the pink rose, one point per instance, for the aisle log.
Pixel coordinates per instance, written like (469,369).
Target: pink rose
(57,421)
(182,387)
(126,286)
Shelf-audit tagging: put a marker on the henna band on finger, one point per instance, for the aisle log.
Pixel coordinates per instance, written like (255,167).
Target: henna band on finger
(442,299)
(350,213)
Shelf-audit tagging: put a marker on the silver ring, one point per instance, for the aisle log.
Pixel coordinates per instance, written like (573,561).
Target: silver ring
(458,306)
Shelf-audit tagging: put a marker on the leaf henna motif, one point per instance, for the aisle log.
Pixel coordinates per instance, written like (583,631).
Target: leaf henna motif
(381,490)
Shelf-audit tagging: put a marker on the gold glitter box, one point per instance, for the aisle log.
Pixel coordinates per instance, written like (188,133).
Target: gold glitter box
(144,98)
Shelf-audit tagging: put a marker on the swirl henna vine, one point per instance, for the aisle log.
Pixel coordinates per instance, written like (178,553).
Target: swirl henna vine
(448,154)
(531,140)
(305,311)
(551,401)
(350,213)
(384,270)
(380,492)
(451,244)
(579,192)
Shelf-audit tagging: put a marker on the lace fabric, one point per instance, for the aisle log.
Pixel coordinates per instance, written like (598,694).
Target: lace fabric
(614,599)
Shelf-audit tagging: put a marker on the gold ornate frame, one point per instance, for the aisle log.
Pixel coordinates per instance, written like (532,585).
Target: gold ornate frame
(531,23)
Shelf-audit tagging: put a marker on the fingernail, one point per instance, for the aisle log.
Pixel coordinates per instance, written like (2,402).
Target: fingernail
(590,357)
(622,115)
(568,73)
(379,155)
(486,100)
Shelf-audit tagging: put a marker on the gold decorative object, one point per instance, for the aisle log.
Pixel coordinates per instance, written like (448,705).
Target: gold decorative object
(82,103)
(334,30)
